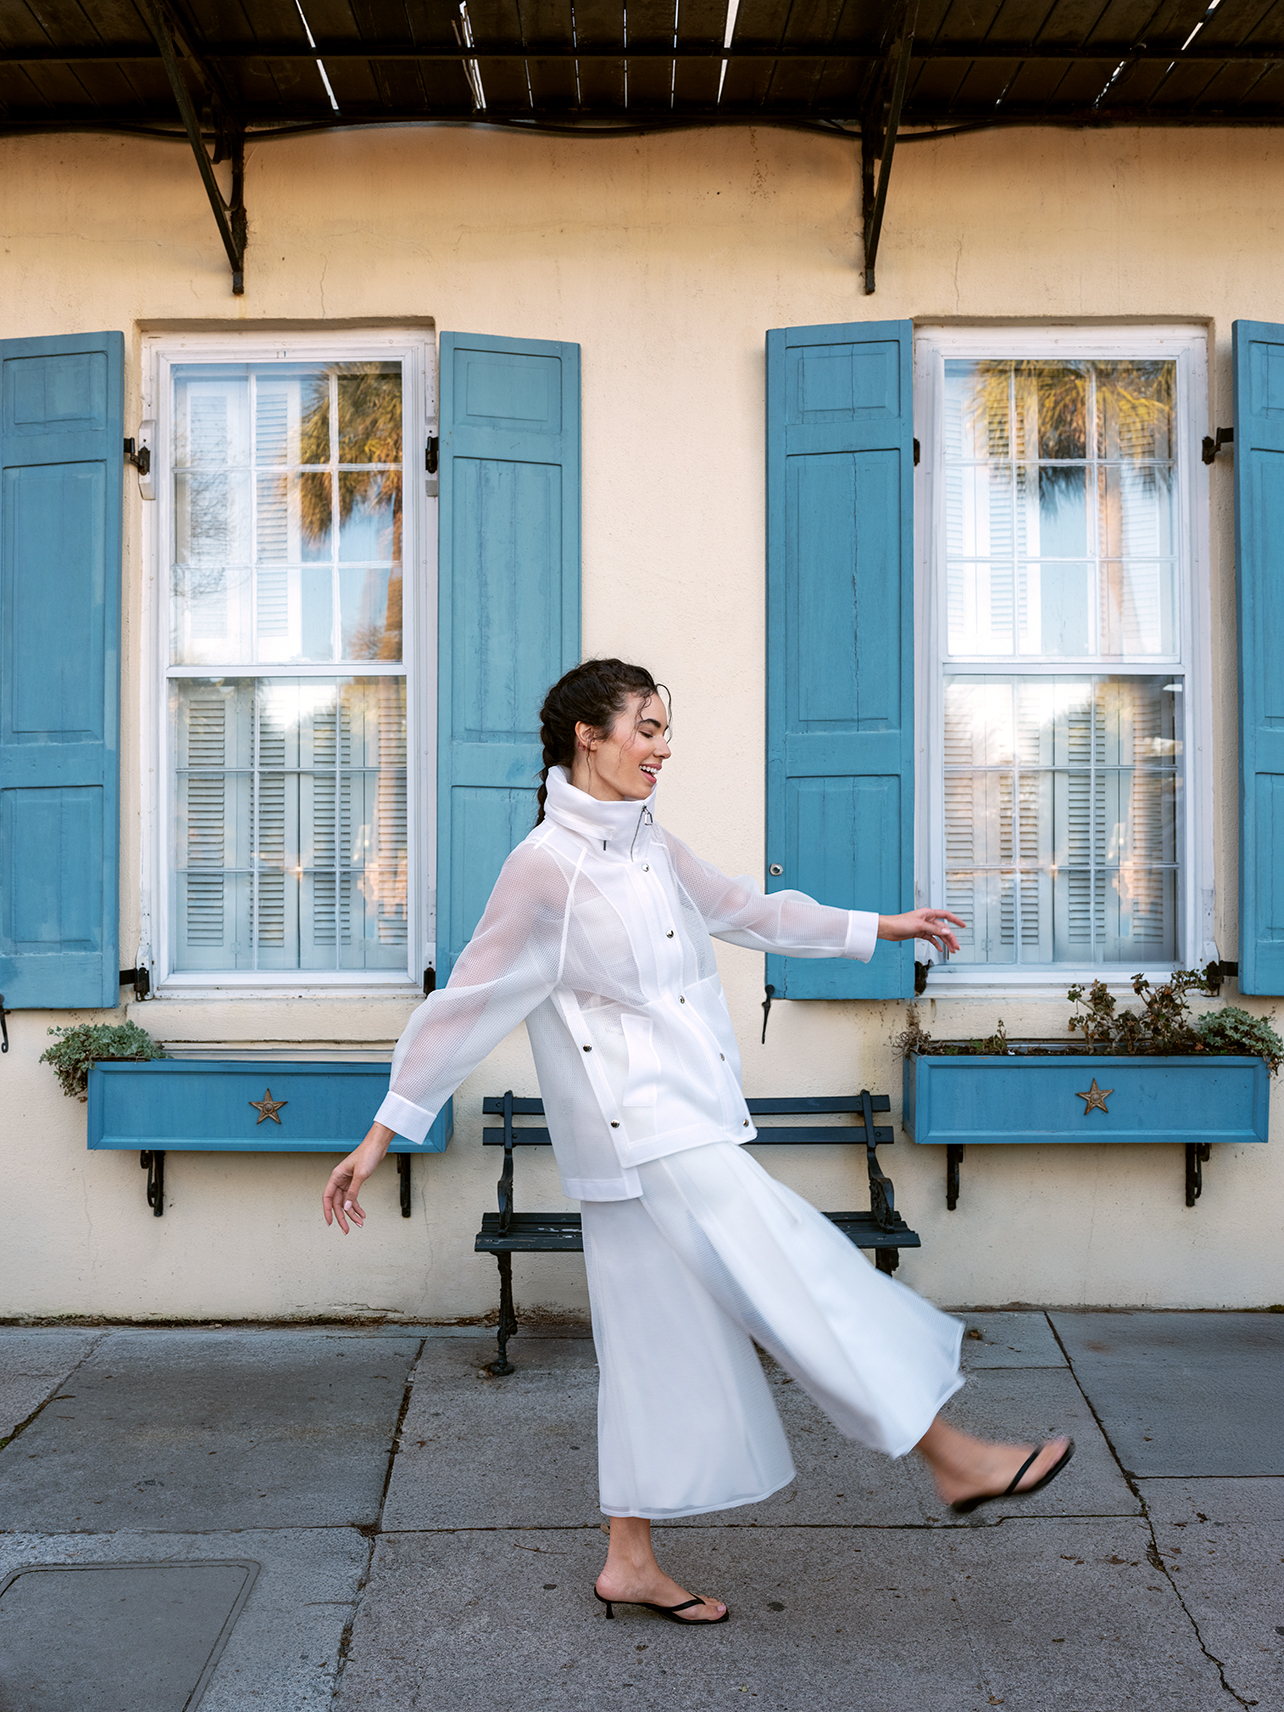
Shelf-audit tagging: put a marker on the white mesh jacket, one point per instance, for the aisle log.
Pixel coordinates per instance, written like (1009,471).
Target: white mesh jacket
(597,934)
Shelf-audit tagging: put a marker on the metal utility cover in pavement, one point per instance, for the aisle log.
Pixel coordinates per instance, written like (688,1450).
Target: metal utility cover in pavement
(116,1637)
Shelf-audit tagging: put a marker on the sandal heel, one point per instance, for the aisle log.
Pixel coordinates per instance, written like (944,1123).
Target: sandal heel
(609,1607)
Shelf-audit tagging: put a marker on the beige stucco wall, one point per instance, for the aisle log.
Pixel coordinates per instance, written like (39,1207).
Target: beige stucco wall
(666,258)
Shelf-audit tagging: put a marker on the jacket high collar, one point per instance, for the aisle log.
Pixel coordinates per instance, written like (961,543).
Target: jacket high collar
(618,829)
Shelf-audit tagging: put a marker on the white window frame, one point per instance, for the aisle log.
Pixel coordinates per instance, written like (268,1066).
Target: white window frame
(416,349)
(1187,344)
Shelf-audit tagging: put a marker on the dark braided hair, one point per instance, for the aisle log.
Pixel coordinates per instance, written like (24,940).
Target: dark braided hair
(591,693)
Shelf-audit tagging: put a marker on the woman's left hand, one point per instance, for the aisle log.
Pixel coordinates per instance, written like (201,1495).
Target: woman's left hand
(928,924)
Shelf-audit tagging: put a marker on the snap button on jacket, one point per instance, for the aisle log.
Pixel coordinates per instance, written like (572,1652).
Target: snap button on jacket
(597,935)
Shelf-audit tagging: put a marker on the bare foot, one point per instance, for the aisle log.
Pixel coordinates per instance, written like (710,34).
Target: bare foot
(632,1575)
(993,1472)
(658,1589)
(965,1467)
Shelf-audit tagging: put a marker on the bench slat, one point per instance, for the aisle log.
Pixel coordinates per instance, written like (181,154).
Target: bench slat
(776,1134)
(560,1233)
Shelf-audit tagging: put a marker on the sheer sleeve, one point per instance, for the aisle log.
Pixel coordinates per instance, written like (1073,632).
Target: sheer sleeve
(790,923)
(508,967)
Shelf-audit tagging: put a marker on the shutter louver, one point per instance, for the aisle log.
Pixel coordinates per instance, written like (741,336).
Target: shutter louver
(61,470)
(1259,569)
(509,600)
(840,669)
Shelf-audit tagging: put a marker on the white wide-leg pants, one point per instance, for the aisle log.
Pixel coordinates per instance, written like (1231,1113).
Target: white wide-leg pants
(715,1256)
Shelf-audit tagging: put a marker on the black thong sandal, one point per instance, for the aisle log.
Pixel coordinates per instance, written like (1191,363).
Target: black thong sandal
(669,1611)
(965,1506)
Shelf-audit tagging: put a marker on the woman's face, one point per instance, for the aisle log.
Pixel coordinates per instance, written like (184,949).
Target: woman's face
(624,765)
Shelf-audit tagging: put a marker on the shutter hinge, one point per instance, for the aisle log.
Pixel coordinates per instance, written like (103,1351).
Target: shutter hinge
(1216,972)
(917,453)
(430,980)
(140,458)
(430,454)
(138,979)
(4,1026)
(1211,447)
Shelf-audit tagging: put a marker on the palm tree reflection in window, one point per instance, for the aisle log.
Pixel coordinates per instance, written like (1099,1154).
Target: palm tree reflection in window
(351,420)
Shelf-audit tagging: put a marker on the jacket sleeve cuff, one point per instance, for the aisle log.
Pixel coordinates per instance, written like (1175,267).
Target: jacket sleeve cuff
(412,1122)
(862,935)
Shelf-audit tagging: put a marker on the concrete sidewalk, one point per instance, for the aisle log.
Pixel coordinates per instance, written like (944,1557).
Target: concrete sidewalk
(361,1518)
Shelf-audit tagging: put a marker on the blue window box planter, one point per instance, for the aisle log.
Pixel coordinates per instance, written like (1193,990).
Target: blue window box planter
(236,1106)
(958,1102)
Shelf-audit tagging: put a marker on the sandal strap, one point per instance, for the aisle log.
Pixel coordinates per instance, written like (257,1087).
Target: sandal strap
(1024,1469)
(685,1606)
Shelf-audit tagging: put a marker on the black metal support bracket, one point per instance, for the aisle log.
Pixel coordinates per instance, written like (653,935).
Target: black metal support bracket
(138,979)
(1197,1152)
(878,130)
(403,1177)
(766,1009)
(1211,447)
(229,217)
(153,1163)
(953,1159)
(4,1026)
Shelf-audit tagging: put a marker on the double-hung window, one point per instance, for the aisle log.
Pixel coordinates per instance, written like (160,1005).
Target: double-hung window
(1062,621)
(292,546)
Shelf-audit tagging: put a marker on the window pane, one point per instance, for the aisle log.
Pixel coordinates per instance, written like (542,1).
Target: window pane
(1061,817)
(1060,510)
(290,825)
(266,522)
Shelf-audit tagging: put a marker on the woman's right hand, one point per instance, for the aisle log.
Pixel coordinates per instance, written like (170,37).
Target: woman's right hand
(349,1174)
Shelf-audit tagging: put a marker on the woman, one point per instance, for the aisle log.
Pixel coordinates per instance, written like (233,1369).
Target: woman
(598,935)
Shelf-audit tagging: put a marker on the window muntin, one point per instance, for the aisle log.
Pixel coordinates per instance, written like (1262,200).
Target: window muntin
(1057,633)
(289,826)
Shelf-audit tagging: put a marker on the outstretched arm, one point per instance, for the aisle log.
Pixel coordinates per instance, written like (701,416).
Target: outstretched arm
(791,923)
(506,970)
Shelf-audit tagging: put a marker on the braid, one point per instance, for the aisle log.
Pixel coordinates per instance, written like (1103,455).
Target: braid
(591,693)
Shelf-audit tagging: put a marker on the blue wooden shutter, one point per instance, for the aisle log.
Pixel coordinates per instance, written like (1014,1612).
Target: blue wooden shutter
(1259,560)
(840,664)
(61,468)
(509,604)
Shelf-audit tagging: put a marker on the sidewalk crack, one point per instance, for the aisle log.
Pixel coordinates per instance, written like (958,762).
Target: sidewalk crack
(53,1392)
(371,1531)
(1153,1554)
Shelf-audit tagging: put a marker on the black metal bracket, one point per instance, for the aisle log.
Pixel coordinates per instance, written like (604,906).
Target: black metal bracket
(140,457)
(953,1159)
(403,1175)
(1211,447)
(4,1026)
(766,1009)
(153,1163)
(878,129)
(1216,973)
(1197,1152)
(430,454)
(430,980)
(229,133)
(138,979)
(920,978)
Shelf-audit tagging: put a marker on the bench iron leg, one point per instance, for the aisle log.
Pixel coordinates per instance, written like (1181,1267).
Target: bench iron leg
(507,1318)
(887,1259)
